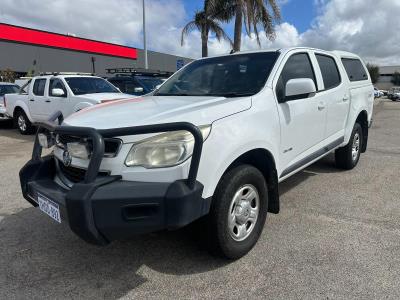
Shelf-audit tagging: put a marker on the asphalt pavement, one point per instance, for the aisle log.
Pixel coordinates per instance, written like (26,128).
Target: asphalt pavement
(337,237)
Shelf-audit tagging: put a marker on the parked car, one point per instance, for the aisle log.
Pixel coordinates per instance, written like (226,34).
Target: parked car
(394,93)
(6,88)
(44,95)
(137,82)
(377,93)
(212,142)
(383,92)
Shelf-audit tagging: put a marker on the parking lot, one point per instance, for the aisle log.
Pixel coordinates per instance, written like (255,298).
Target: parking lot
(337,237)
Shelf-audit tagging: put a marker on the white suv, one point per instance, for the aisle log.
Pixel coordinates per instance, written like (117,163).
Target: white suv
(44,95)
(212,143)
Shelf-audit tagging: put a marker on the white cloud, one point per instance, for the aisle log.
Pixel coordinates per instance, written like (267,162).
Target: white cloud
(367,27)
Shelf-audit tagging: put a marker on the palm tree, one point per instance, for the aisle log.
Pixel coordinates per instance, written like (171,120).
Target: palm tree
(250,12)
(206,22)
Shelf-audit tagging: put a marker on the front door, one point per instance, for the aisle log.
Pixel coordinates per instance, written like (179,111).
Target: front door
(303,120)
(57,102)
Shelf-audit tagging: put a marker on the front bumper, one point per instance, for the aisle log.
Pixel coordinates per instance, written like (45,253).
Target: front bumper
(101,209)
(110,208)
(3,113)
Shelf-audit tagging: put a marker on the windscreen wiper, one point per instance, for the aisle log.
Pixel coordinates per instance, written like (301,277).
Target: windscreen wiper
(232,95)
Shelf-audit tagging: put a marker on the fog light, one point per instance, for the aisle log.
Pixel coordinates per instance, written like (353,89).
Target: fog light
(78,150)
(46,141)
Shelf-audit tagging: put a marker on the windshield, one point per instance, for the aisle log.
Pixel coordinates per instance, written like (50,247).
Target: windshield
(8,89)
(90,85)
(149,83)
(229,76)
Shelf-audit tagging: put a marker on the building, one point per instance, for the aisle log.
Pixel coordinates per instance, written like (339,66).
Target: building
(26,51)
(386,76)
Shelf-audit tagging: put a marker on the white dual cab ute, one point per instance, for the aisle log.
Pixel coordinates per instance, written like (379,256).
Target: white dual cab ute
(44,95)
(211,144)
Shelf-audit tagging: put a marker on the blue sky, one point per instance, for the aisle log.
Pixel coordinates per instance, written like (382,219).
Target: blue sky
(299,13)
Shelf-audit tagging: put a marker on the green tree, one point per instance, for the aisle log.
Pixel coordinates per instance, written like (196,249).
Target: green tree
(7,75)
(373,72)
(206,22)
(252,13)
(396,78)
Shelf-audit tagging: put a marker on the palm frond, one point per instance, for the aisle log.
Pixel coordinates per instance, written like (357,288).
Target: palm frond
(275,9)
(187,29)
(219,31)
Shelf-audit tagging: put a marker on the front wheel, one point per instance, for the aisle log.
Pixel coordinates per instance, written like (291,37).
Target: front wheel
(348,156)
(238,212)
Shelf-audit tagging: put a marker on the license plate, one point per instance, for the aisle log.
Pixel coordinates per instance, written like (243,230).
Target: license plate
(49,208)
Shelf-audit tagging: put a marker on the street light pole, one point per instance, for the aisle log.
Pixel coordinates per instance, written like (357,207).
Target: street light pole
(146,63)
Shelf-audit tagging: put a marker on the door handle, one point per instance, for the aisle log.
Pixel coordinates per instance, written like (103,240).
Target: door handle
(321,107)
(345,99)
(48,101)
(31,100)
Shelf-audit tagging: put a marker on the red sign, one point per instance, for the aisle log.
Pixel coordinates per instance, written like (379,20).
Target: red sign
(49,39)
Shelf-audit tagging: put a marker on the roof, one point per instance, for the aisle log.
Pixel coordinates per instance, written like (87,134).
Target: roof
(65,76)
(24,35)
(285,50)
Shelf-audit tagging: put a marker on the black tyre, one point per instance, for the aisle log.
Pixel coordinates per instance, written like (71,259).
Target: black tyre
(348,156)
(238,212)
(22,122)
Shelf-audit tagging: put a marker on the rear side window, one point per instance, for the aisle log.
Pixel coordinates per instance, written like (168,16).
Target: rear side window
(355,69)
(298,66)
(329,70)
(38,87)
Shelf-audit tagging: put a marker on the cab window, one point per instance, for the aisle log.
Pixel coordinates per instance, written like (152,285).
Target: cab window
(38,87)
(355,69)
(297,66)
(56,83)
(329,70)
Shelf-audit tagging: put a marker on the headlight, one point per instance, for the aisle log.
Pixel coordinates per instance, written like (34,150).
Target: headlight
(46,141)
(164,150)
(78,150)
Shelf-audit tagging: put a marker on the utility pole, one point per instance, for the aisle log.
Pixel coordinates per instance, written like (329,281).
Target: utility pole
(146,63)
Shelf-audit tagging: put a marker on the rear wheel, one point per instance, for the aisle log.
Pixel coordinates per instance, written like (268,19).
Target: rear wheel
(238,212)
(348,156)
(22,122)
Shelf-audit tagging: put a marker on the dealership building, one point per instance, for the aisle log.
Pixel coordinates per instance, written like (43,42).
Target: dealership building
(386,76)
(31,51)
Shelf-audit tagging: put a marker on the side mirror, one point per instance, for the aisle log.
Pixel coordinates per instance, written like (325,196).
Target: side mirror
(138,90)
(299,88)
(57,92)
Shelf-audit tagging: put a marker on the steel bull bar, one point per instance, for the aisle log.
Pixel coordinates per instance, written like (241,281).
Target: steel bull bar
(180,202)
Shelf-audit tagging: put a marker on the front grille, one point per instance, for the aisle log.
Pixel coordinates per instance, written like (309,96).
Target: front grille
(111,146)
(74,174)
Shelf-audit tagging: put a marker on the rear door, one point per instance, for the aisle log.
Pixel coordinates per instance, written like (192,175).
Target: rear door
(38,102)
(335,95)
(303,120)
